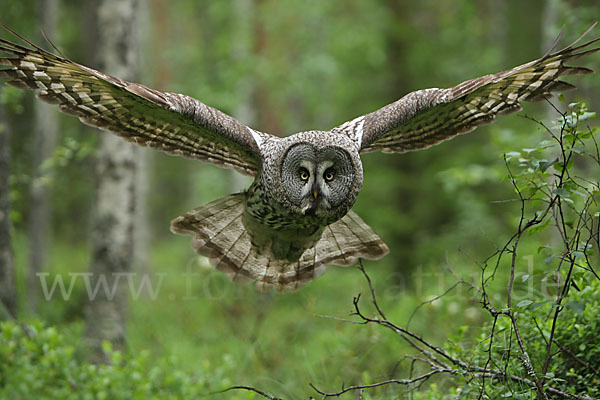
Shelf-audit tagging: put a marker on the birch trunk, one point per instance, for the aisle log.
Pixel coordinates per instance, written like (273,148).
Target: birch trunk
(115,206)
(44,142)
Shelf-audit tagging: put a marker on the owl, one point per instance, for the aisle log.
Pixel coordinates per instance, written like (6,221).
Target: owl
(296,217)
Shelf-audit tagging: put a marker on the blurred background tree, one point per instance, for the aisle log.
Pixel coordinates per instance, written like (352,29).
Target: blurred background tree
(282,67)
(116,175)
(44,142)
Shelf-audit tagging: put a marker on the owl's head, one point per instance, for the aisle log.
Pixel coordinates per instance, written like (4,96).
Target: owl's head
(321,180)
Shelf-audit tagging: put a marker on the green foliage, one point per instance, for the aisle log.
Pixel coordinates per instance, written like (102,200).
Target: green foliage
(579,368)
(557,299)
(40,362)
(575,361)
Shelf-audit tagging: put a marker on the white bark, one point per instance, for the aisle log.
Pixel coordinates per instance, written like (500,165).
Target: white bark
(115,207)
(44,142)
(141,246)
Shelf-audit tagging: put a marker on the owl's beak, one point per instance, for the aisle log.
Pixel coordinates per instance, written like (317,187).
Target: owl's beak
(311,205)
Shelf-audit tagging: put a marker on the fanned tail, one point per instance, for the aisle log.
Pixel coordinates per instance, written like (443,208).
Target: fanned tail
(218,232)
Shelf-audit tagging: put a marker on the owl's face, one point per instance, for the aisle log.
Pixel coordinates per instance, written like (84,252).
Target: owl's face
(319,181)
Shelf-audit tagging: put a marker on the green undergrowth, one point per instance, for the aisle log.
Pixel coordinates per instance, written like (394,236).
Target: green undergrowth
(41,362)
(217,334)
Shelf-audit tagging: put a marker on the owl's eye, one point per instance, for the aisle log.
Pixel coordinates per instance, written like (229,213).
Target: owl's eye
(304,174)
(329,175)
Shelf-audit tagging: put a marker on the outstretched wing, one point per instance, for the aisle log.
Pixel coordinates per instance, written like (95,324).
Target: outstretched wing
(427,117)
(174,123)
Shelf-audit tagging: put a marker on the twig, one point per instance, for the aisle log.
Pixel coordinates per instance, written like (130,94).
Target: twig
(382,383)
(439,296)
(362,269)
(251,389)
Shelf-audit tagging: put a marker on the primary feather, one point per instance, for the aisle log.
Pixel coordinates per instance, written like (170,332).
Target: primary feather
(428,117)
(171,122)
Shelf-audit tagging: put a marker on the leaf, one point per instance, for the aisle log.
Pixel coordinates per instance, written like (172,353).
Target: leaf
(524,303)
(544,165)
(549,259)
(530,191)
(531,150)
(578,254)
(512,154)
(534,306)
(587,115)
(539,227)
(586,135)
(547,143)
(577,306)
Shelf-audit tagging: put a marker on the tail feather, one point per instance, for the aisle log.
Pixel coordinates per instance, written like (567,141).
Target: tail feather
(218,232)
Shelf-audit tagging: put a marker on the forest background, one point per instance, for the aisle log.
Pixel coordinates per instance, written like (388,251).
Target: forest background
(282,67)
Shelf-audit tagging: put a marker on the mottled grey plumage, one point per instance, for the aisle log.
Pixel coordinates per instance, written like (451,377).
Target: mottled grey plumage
(296,218)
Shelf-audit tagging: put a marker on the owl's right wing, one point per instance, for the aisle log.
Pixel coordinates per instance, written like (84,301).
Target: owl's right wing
(170,122)
(427,117)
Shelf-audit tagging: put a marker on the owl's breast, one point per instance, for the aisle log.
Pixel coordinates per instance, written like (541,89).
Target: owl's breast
(277,228)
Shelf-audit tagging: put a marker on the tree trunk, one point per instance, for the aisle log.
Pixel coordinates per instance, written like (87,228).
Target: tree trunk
(407,167)
(145,162)
(244,11)
(44,142)
(267,118)
(8,293)
(115,205)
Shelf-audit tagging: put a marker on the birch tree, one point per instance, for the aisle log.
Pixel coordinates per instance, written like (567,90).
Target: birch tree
(44,142)
(115,205)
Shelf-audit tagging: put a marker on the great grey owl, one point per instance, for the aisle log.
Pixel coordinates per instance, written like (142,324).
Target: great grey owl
(296,217)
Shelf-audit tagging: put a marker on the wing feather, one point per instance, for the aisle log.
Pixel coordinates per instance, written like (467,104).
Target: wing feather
(174,123)
(427,117)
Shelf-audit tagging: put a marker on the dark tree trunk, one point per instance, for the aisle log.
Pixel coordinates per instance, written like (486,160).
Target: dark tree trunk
(245,17)
(407,166)
(44,142)
(115,206)
(8,293)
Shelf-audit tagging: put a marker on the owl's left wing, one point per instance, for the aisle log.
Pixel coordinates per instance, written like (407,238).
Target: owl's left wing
(427,117)
(171,122)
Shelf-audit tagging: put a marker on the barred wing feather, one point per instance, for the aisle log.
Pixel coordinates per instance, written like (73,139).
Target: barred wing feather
(174,123)
(427,117)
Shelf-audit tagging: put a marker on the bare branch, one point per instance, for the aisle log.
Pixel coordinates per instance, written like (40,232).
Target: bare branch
(362,269)
(251,389)
(382,383)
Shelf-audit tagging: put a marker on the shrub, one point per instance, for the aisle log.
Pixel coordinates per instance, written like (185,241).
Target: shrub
(39,362)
